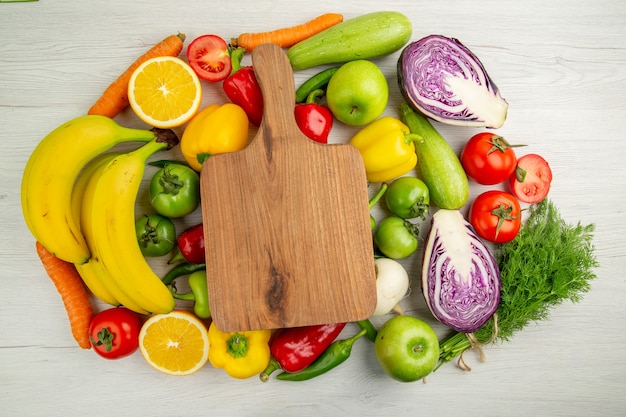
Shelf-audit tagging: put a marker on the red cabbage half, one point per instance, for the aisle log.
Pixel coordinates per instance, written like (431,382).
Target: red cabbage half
(460,276)
(445,81)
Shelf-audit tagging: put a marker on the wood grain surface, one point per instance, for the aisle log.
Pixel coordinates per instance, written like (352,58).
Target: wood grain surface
(561,66)
(296,214)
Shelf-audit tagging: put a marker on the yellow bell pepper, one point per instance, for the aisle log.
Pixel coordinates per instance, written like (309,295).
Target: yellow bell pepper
(215,129)
(240,354)
(387,148)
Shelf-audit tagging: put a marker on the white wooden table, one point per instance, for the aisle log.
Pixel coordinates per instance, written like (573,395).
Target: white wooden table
(560,64)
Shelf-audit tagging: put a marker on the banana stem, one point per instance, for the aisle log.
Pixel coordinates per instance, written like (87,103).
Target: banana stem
(167,136)
(150,148)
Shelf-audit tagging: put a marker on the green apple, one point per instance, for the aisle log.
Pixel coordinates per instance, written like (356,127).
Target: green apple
(407,348)
(357,93)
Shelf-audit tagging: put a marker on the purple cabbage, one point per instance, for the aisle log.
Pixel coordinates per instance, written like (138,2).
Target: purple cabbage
(444,80)
(460,276)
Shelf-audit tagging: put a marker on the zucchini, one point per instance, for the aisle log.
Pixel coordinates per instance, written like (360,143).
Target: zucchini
(438,165)
(368,36)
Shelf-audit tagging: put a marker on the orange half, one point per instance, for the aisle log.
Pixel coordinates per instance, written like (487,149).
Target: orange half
(164,92)
(176,343)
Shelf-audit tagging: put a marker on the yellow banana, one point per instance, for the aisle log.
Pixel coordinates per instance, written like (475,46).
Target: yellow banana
(90,271)
(113,226)
(95,267)
(49,177)
(91,275)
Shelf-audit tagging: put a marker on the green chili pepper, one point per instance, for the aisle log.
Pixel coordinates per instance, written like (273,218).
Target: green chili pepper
(185,268)
(317,81)
(199,294)
(337,353)
(198,284)
(369,328)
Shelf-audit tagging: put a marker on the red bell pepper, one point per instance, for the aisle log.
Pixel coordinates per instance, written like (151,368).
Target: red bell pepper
(242,88)
(190,246)
(296,348)
(314,120)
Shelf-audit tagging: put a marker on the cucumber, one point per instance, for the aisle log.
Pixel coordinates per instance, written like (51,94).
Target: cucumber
(438,165)
(368,36)
(319,80)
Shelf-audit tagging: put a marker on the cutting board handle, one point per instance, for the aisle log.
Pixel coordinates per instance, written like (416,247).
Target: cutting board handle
(275,77)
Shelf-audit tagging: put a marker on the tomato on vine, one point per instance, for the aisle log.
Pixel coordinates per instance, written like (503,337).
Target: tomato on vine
(488,158)
(496,216)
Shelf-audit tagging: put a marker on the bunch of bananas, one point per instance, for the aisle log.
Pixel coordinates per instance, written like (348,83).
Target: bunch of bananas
(78,200)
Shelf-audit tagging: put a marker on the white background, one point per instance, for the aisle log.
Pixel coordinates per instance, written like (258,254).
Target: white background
(560,65)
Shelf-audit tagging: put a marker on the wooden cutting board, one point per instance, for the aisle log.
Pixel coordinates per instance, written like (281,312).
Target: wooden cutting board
(286,221)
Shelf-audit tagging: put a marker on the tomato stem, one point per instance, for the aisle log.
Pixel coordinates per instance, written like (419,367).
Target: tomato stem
(171,183)
(413,228)
(498,143)
(503,213)
(520,173)
(105,337)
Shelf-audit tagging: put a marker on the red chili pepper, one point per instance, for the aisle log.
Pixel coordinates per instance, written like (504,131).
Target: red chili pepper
(314,120)
(296,348)
(190,246)
(242,88)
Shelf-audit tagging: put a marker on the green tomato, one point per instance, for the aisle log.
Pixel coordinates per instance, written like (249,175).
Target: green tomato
(408,197)
(156,234)
(175,190)
(396,238)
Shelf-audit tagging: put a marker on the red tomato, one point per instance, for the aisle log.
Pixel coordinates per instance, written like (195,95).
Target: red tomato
(496,216)
(114,332)
(531,180)
(208,56)
(488,158)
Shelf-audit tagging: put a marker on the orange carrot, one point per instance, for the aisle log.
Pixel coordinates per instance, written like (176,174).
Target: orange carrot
(115,97)
(289,36)
(73,293)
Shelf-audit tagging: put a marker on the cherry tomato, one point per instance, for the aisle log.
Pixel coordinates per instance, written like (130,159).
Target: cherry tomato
(488,158)
(408,197)
(114,333)
(531,180)
(156,234)
(396,238)
(175,190)
(496,216)
(208,56)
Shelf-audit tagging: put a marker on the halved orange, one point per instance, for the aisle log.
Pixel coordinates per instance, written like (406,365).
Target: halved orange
(164,92)
(175,343)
